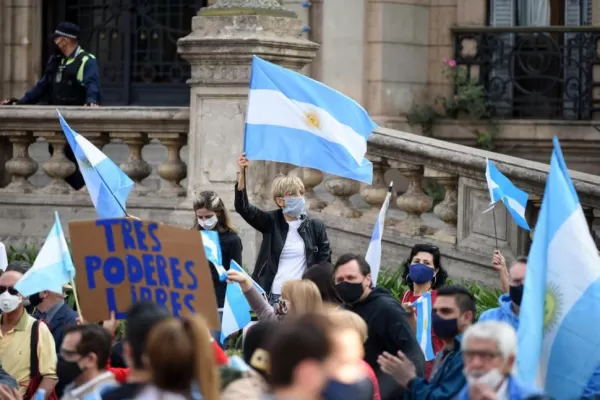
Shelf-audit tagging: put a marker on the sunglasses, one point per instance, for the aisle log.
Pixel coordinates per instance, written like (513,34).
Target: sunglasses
(11,290)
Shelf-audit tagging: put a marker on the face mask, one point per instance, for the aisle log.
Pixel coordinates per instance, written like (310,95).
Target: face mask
(9,302)
(516,294)
(294,206)
(208,223)
(350,292)
(492,379)
(35,300)
(67,371)
(361,390)
(420,273)
(444,328)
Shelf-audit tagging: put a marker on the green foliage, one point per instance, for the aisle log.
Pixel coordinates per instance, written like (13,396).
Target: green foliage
(469,101)
(28,253)
(434,190)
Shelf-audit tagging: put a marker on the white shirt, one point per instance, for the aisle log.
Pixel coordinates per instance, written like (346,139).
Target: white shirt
(292,262)
(502,392)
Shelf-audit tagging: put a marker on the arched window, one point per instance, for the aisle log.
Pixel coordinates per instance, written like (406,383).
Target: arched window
(135,42)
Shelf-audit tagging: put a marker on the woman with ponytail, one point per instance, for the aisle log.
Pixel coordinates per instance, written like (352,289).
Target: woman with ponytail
(179,356)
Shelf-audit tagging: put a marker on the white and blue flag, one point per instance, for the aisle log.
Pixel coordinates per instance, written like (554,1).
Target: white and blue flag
(52,267)
(559,340)
(423,307)
(373,255)
(236,311)
(294,119)
(236,267)
(502,189)
(212,249)
(107,184)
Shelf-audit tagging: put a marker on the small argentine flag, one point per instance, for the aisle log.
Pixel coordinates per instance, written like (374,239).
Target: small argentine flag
(296,120)
(212,249)
(236,267)
(52,267)
(502,189)
(107,184)
(423,306)
(373,256)
(236,311)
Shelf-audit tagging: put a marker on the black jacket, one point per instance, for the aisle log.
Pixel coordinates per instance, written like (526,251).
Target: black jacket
(388,330)
(274,228)
(231,249)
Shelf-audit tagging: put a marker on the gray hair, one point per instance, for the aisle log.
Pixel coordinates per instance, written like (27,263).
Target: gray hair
(500,332)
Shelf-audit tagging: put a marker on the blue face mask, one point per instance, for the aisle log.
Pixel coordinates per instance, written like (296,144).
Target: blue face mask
(361,390)
(420,273)
(294,206)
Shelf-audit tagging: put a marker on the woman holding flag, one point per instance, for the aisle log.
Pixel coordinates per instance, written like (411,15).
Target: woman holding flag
(423,273)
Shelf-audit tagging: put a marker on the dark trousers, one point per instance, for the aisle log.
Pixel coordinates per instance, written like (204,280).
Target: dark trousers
(76,179)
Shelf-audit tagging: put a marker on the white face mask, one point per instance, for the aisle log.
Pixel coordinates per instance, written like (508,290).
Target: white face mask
(491,379)
(208,223)
(9,302)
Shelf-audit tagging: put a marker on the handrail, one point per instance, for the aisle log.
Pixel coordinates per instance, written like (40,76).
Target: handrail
(524,29)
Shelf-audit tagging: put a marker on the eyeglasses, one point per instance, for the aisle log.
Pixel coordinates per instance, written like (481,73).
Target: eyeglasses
(11,290)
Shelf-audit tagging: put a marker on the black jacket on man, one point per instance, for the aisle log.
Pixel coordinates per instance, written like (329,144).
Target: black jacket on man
(388,330)
(274,228)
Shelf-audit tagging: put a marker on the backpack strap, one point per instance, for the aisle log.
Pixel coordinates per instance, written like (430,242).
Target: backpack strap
(33,358)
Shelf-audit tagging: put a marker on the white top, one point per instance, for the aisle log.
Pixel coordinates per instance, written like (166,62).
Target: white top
(292,262)
(502,392)
(3,257)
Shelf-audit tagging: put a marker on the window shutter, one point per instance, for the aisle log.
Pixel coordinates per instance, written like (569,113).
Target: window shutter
(502,14)
(576,72)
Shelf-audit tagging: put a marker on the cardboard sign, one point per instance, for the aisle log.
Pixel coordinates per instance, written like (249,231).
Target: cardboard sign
(121,261)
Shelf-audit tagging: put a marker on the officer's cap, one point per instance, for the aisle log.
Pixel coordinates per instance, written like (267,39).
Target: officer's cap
(68,30)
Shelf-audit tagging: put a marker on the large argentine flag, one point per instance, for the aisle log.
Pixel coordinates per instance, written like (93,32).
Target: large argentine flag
(236,311)
(107,184)
(423,306)
(212,249)
(373,256)
(52,267)
(559,344)
(297,120)
(502,189)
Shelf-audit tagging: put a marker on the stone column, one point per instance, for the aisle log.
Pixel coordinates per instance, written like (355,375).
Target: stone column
(224,38)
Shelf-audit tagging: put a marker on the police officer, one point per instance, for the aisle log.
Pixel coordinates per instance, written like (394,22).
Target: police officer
(71,78)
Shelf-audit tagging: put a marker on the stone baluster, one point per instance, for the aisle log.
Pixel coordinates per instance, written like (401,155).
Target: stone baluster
(135,167)
(414,201)
(596,226)
(21,166)
(342,189)
(173,170)
(536,202)
(58,167)
(98,139)
(447,209)
(311,178)
(375,193)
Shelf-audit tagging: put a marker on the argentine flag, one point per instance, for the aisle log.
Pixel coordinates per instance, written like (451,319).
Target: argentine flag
(236,267)
(423,306)
(52,267)
(373,255)
(559,340)
(502,189)
(297,120)
(107,184)
(236,311)
(212,249)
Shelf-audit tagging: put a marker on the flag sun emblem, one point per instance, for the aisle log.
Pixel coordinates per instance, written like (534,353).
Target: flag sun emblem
(552,306)
(312,119)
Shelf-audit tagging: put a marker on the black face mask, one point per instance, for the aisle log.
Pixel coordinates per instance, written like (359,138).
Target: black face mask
(67,371)
(361,390)
(516,294)
(444,328)
(35,300)
(350,292)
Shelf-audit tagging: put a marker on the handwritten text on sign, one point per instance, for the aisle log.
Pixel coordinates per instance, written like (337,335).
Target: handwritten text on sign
(125,261)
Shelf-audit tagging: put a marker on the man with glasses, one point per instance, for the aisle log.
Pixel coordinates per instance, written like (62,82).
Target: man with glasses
(82,361)
(20,335)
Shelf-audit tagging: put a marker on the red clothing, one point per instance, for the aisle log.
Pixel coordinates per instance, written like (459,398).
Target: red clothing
(436,342)
(373,378)
(121,374)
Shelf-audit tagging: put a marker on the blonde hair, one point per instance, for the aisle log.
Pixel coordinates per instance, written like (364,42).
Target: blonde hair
(344,319)
(179,353)
(290,185)
(303,295)
(209,200)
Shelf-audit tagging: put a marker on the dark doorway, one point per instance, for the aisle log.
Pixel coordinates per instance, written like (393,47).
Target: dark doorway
(135,42)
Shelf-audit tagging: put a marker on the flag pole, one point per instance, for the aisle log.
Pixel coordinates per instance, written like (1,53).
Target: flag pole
(111,192)
(495,229)
(76,298)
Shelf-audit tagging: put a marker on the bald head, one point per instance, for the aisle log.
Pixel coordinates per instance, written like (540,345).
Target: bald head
(10,278)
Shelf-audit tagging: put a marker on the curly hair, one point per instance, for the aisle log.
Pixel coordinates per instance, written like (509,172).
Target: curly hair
(440,277)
